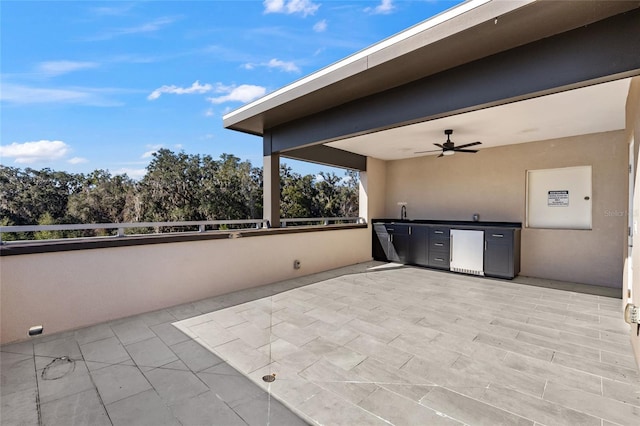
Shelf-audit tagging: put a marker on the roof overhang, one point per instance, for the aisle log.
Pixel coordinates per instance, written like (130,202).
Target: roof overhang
(473,30)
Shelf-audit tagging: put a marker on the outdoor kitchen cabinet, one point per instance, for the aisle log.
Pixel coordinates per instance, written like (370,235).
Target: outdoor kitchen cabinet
(439,246)
(501,252)
(428,243)
(418,245)
(391,242)
(380,242)
(402,243)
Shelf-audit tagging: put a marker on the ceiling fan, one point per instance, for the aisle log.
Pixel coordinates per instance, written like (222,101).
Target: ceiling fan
(449,148)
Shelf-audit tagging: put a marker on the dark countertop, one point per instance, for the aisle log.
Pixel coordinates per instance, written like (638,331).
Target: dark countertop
(452,223)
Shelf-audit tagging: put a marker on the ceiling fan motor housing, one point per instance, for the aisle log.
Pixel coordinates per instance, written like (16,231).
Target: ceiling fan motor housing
(449,148)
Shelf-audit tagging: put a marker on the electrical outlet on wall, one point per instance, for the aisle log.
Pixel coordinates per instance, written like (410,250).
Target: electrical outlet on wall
(402,203)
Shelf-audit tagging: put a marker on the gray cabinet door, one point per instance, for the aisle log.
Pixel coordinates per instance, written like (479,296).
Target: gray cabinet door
(399,249)
(419,245)
(380,242)
(499,253)
(391,242)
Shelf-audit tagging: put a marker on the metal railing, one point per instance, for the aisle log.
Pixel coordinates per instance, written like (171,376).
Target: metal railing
(52,233)
(128,229)
(320,220)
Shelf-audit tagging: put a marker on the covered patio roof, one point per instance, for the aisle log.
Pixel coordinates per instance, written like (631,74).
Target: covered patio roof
(478,55)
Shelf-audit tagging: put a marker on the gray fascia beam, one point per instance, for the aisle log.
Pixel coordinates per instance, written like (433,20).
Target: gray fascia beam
(599,52)
(329,156)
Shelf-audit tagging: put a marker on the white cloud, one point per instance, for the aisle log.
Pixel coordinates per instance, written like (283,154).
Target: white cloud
(303,7)
(34,152)
(209,113)
(112,11)
(19,94)
(243,93)
(320,26)
(196,87)
(273,6)
(147,27)
(152,149)
(282,65)
(27,95)
(77,160)
(54,68)
(135,174)
(384,8)
(274,63)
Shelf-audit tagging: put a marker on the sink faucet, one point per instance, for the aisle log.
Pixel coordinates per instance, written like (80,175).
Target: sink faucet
(403,212)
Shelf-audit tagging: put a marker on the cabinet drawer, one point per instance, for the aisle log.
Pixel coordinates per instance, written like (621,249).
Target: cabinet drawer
(436,232)
(397,229)
(498,235)
(439,259)
(439,245)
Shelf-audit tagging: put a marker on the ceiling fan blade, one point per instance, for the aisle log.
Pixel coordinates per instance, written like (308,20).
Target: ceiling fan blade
(465,150)
(468,144)
(441,155)
(431,150)
(439,145)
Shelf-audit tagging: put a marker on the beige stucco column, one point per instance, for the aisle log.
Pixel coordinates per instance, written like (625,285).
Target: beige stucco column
(271,189)
(633,135)
(373,190)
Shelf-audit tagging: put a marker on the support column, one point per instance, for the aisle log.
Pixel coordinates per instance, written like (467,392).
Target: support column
(271,189)
(372,194)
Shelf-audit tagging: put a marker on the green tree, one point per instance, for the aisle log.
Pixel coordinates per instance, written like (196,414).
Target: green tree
(27,195)
(237,189)
(169,190)
(350,194)
(176,187)
(297,194)
(102,198)
(47,219)
(328,197)
(181,187)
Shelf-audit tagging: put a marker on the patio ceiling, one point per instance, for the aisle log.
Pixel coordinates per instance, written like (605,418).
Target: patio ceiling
(592,109)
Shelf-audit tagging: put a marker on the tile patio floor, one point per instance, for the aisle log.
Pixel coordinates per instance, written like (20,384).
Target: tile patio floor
(353,346)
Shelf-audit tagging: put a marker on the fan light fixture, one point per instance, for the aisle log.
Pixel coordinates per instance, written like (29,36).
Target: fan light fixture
(449,148)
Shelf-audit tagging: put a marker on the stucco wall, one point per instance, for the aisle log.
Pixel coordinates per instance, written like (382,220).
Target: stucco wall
(373,189)
(68,290)
(493,184)
(633,136)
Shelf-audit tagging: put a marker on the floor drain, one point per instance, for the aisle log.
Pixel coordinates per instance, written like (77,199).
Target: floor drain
(58,368)
(269,378)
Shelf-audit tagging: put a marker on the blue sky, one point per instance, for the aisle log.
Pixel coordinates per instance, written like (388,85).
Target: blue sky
(101,85)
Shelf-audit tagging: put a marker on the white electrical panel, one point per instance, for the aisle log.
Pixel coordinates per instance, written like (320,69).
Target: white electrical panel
(559,198)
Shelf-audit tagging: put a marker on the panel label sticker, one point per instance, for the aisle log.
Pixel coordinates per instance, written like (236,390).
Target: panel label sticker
(558,199)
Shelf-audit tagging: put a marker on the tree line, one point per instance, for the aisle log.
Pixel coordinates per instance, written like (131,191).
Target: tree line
(176,187)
